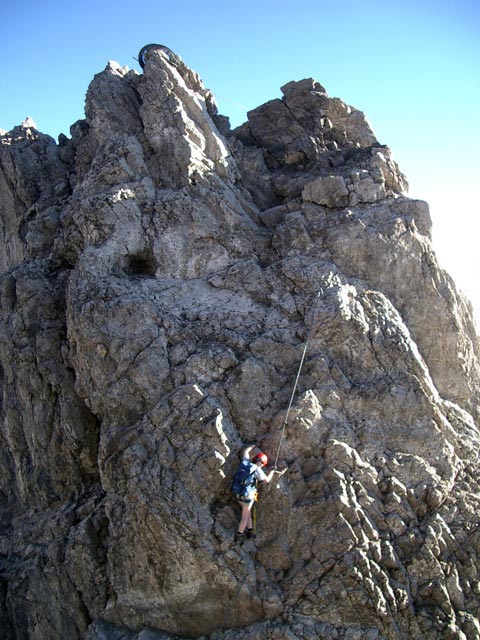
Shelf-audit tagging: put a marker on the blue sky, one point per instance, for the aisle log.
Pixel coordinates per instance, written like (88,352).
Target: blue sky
(412,67)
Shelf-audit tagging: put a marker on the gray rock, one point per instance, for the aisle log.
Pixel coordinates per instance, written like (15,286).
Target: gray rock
(329,191)
(162,279)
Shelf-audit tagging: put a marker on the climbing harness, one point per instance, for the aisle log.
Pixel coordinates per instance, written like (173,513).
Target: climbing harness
(285,422)
(307,340)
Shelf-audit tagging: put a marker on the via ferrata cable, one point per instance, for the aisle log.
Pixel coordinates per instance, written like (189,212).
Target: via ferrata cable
(307,340)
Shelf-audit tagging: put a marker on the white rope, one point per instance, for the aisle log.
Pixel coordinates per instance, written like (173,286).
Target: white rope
(236,104)
(285,422)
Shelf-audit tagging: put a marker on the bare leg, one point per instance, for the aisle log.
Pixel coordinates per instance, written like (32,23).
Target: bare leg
(246,520)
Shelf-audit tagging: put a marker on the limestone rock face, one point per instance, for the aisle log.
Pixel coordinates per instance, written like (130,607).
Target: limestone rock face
(161,278)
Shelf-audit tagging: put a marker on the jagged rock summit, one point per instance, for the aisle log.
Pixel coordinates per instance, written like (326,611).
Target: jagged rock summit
(160,276)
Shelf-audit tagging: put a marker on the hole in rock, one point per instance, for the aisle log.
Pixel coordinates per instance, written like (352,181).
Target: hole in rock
(140,265)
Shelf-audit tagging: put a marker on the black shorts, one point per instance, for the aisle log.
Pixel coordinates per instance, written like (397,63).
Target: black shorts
(246,499)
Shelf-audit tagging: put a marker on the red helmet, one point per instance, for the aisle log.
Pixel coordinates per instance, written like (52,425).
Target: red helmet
(261,457)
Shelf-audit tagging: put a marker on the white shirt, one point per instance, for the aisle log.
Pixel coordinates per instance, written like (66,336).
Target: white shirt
(259,473)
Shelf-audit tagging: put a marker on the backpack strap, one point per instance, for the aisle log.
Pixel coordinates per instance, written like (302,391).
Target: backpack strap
(246,481)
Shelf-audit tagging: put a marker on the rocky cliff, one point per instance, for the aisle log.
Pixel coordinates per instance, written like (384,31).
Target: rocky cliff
(161,278)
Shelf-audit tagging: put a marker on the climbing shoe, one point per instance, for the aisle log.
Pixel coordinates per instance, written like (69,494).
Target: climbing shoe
(249,533)
(240,537)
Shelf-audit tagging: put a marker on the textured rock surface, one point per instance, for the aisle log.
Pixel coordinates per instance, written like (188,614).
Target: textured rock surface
(160,275)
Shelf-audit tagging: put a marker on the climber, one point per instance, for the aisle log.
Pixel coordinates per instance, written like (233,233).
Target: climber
(244,486)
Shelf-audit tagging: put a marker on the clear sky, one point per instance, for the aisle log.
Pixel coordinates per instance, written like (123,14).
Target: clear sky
(412,67)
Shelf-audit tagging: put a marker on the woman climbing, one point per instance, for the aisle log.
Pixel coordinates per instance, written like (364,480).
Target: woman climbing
(244,487)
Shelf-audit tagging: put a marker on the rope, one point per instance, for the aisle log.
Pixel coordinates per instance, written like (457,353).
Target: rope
(285,422)
(236,104)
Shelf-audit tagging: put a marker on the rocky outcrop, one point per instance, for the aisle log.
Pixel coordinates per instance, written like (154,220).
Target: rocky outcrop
(161,278)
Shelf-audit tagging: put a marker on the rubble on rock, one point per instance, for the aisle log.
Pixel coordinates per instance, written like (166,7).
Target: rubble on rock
(160,275)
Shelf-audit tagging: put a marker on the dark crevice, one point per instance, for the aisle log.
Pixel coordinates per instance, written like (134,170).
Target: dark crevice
(139,265)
